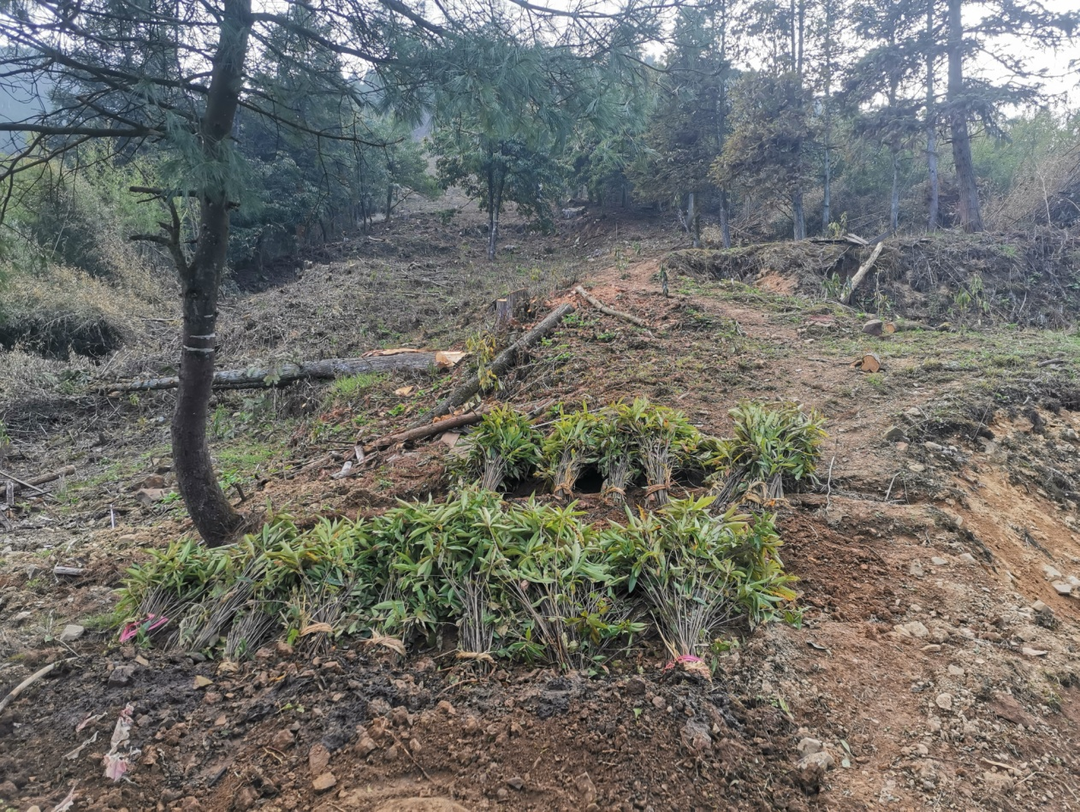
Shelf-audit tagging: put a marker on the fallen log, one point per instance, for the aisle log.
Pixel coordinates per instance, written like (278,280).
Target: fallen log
(506,359)
(41,479)
(603,308)
(254,377)
(420,432)
(860,274)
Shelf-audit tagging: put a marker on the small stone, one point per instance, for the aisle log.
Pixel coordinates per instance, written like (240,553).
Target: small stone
(586,789)
(365,746)
(1062,588)
(916,467)
(21,617)
(148,496)
(695,737)
(915,569)
(515,783)
(502,794)
(999,782)
(938,561)
(447,708)
(121,676)
(71,633)
(415,746)
(808,746)
(1051,573)
(895,435)
(659,702)
(635,686)
(324,782)
(944,701)
(967,558)
(283,649)
(201,682)
(955,671)
(282,740)
(810,770)
(318,759)
(914,629)
(1033,652)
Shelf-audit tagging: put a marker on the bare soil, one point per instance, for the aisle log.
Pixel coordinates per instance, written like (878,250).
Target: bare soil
(936,664)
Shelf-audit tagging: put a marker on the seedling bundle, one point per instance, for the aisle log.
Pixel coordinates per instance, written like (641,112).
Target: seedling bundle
(523,580)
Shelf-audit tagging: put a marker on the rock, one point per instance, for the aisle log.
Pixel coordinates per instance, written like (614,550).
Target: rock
(938,561)
(283,649)
(245,798)
(148,496)
(635,686)
(21,617)
(895,435)
(282,740)
(1027,651)
(997,782)
(916,467)
(967,558)
(1051,573)
(874,327)
(585,788)
(318,759)
(447,708)
(810,746)
(515,783)
(121,676)
(659,702)
(695,737)
(71,633)
(914,629)
(324,782)
(915,569)
(1062,588)
(955,671)
(810,771)
(154,482)
(365,746)
(944,701)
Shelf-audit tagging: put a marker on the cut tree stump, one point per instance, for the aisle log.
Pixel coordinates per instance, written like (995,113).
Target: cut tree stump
(514,307)
(255,377)
(868,363)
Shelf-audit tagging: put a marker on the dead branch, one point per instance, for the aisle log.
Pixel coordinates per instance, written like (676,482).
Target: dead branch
(420,432)
(26,683)
(603,308)
(860,274)
(34,482)
(502,364)
(326,369)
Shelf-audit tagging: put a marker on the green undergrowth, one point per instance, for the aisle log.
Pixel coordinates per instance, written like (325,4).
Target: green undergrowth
(529,582)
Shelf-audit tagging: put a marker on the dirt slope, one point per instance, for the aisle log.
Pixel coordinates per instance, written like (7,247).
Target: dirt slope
(936,664)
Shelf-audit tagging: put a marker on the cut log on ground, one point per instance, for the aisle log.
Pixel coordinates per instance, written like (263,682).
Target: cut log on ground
(580,291)
(420,432)
(253,378)
(868,363)
(860,274)
(502,364)
(41,479)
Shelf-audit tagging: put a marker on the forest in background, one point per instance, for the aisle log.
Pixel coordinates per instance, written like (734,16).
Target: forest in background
(180,141)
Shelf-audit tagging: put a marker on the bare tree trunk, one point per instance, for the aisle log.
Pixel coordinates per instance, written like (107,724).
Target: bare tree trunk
(693,221)
(210,511)
(931,124)
(894,198)
(826,203)
(725,225)
(799,215)
(970,216)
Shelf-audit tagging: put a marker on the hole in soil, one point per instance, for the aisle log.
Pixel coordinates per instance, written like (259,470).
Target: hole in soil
(689,478)
(589,481)
(522,488)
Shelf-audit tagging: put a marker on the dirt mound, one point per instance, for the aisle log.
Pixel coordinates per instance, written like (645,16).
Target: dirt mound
(1029,279)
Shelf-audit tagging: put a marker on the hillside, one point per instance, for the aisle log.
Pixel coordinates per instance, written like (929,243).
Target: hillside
(938,558)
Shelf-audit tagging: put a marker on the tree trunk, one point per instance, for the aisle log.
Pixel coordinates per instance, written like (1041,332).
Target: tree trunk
(725,226)
(826,202)
(894,198)
(693,221)
(799,216)
(931,123)
(970,216)
(213,516)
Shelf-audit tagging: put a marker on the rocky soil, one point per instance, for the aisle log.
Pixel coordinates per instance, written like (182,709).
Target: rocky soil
(938,561)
